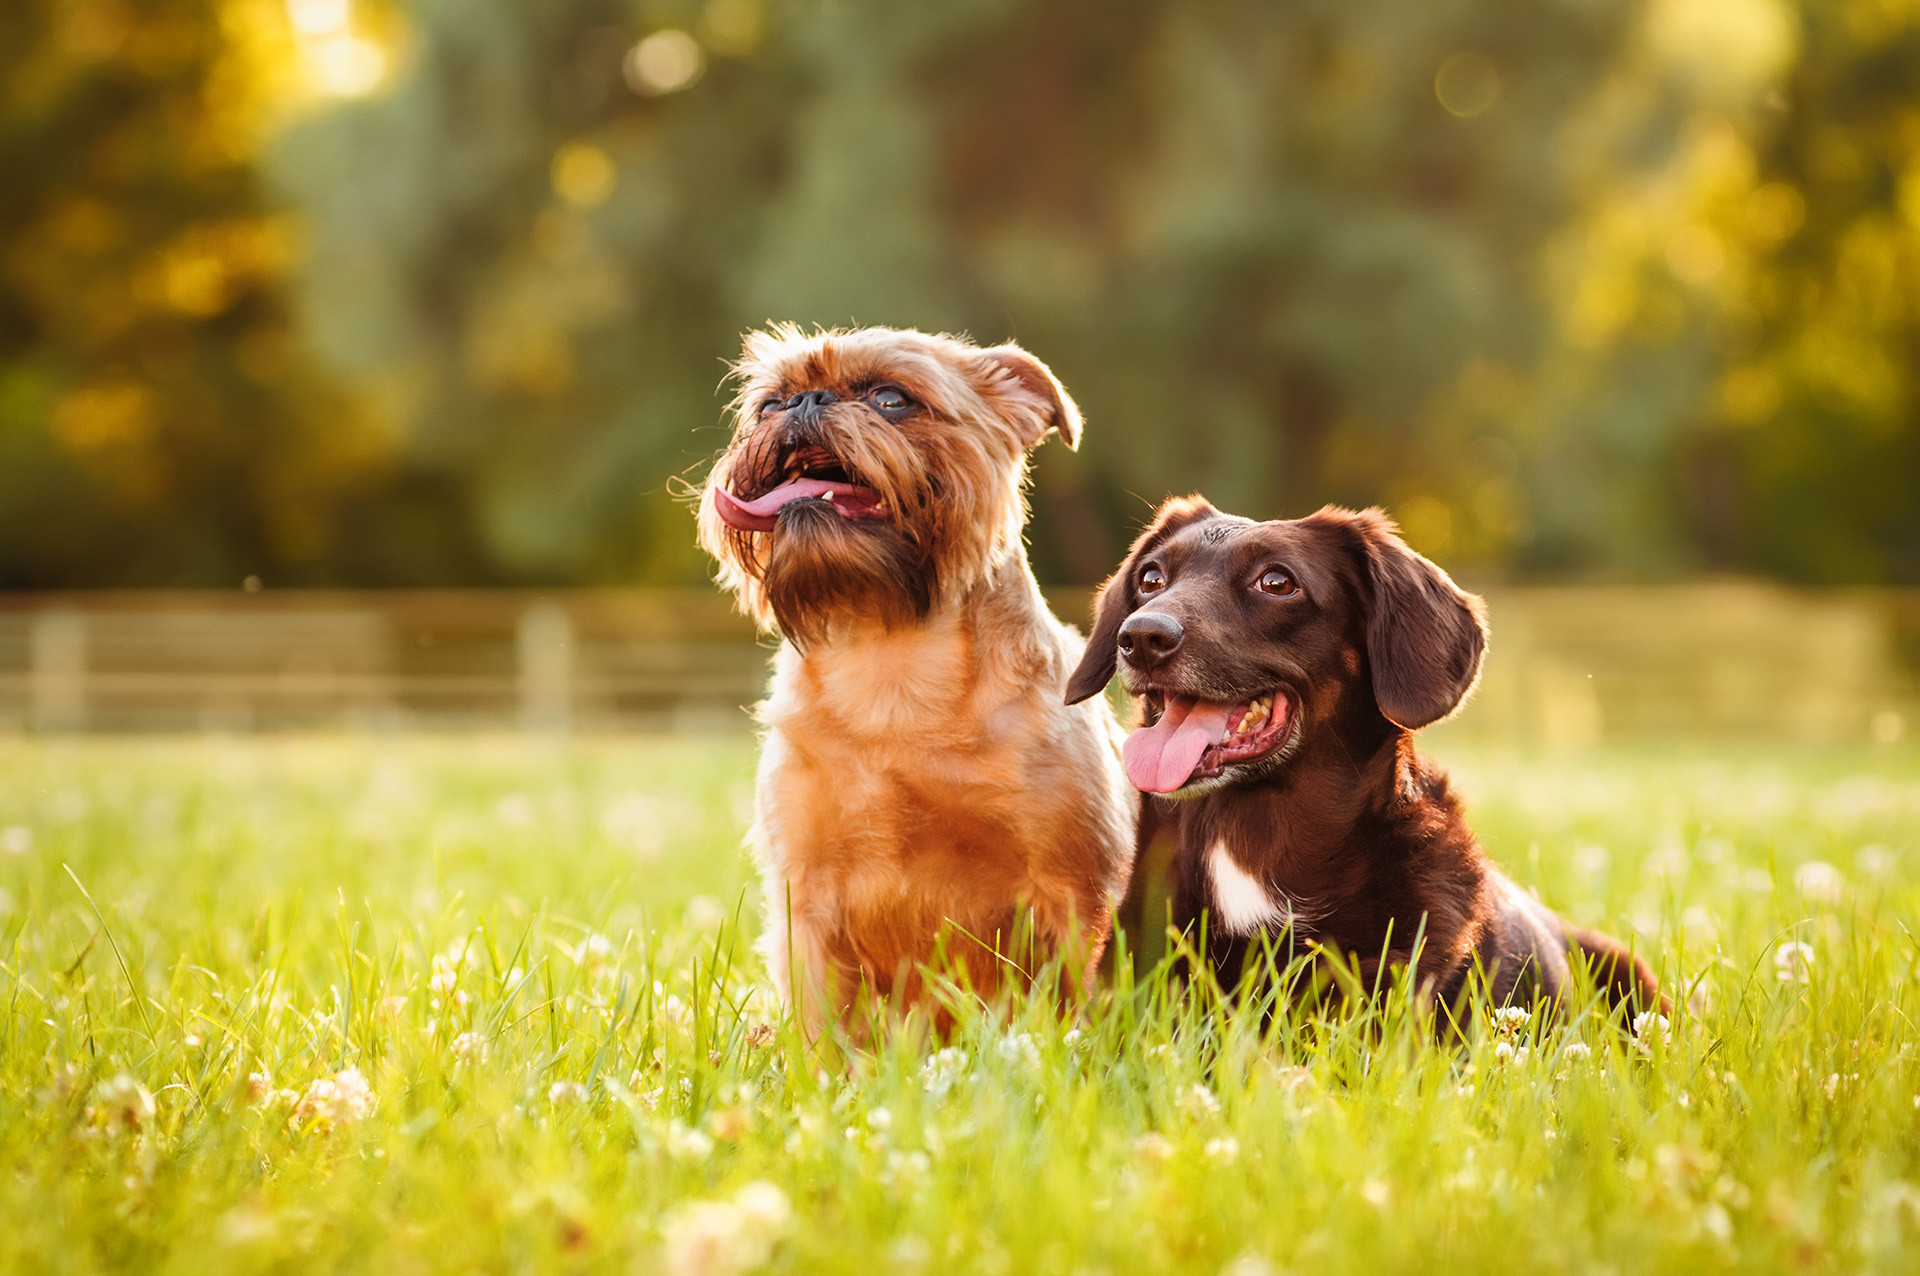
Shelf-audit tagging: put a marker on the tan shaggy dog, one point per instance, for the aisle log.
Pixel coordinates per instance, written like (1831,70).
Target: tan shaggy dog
(924,792)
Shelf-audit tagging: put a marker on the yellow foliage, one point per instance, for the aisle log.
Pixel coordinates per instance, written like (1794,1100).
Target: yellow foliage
(103,416)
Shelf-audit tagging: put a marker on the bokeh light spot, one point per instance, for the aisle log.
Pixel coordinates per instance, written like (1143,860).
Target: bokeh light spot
(1775,211)
(1695,254)
(196,284)
(665,62)
(583,175)
(1468,84)
(346,65)
(318,17)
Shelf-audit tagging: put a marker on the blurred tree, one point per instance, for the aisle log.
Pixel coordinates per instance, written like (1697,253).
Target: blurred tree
(1736,302)
(1814,464)
(158,422)
(1253,241)
(1575,286)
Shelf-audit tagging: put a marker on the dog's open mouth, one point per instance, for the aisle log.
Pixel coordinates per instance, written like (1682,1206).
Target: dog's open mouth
(1194,739)
(810,475)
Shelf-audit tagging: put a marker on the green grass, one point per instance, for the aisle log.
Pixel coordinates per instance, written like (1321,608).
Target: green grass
(528,953)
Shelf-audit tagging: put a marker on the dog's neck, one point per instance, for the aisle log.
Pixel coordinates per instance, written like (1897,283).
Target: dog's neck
(918,680)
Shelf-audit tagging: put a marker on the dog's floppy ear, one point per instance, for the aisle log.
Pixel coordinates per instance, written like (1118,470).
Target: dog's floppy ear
(1426,637)
(1051,408)
(1115,601)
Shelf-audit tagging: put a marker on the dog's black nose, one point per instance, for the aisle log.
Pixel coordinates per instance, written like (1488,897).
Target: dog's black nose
(1147,638)
(811,401)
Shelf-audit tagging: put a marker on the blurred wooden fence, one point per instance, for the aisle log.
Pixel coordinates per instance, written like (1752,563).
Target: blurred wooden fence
(1569,666)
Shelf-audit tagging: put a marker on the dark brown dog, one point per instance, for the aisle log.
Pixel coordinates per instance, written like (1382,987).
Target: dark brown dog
(1284,667)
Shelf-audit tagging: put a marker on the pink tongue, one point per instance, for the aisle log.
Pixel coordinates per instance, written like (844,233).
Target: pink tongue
(759,515)
(1159,758)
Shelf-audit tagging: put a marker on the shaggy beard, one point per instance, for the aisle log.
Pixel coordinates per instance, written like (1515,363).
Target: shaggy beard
(823,569)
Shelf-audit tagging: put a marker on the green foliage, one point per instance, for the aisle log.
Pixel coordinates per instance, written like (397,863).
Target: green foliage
(1600,287)
(476,1005)
(159,421)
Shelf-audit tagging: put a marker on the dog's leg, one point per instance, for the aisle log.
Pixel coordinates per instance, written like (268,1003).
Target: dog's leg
(797,960)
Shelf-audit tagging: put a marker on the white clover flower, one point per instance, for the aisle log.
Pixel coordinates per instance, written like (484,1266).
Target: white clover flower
(720,1238)
(1874,859)
(1249,1263)
(16,839)
(1073,1038)
(687,1144)
(562,1093)
(1376,1192)
(1154,1146)
(1506,1053)
(911,1252)
(1820,882)
(340,1100)
(1197,1102)
(765,1206)
(1649,1026)
(906,1168)
(1577,1052)
(1225,1150)
(446,975)
(1020,1048)
(1793,963)
(470,1047)
(122,1105)
(879,1119)
(943,1069)
(1512,1018)
(594,950)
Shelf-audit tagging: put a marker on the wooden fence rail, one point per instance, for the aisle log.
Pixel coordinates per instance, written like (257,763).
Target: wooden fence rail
(1569,666)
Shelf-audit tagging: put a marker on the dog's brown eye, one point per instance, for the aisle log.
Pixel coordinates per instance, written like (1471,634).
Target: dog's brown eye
(1152,580)
(1278,583)
(771,405)
(888,399)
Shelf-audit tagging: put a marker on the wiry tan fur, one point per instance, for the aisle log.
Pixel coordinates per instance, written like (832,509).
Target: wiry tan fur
(923,791)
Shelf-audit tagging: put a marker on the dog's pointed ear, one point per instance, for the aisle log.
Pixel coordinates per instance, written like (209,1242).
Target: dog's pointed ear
(1426,637)
(1049,405)
(1115,601)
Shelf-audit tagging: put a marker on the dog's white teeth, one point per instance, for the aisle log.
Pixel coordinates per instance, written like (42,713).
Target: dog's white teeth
(827,497)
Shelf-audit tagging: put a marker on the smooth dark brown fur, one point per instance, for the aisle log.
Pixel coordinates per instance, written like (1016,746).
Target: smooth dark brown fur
(1345,829)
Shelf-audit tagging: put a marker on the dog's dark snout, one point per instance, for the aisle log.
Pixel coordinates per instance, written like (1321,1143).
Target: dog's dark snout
(808,402)
(1147,638)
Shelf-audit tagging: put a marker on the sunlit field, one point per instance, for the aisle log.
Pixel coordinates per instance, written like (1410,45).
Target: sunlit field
(488,1005)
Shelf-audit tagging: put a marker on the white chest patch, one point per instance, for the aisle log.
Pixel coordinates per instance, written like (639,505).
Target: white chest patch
(1241,905)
